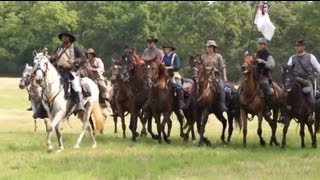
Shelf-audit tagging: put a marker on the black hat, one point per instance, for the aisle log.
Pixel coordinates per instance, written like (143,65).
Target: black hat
(67,33)
(169,45)
(152,39)
(300,43)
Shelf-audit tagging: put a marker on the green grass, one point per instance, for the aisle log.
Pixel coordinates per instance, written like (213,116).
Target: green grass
(23,152)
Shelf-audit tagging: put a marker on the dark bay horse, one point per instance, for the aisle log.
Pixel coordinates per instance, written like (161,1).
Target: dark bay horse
(295,106)
(162,94)
(207,101)
(251,100)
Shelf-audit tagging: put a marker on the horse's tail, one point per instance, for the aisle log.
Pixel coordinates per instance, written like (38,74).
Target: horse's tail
(98,117)
(238,121)
(317,124)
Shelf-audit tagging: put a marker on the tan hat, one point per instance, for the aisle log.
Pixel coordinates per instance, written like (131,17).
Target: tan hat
(262,41)
(211,43)
(90,51)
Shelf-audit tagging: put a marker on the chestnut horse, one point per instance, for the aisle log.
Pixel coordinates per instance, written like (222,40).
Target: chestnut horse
(207,99)
(251,100)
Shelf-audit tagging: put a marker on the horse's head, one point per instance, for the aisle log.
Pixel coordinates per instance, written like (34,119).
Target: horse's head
(195,66)
(119,71)
(41,63)
(152,73)
(26,76)
(287,77)
(248,63)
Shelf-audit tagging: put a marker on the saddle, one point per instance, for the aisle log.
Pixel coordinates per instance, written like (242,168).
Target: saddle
(187,85)
(66,79)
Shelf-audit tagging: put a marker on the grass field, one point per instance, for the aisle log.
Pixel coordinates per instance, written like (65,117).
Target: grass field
(23,152)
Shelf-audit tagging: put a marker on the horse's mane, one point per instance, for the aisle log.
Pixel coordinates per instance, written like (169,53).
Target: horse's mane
(162,71)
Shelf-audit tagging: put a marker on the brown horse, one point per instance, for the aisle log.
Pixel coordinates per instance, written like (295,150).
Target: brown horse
(134,71)
(251,100)
(162,98)
(207,99)
(295,106)
(232,99)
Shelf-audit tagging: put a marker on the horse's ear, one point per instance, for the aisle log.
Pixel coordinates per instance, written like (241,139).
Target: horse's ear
(34,53)
(26,66)
(45,51)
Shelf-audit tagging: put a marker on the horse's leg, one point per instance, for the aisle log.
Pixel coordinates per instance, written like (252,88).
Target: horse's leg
(133,124)
(313,136)
(259,131)
(302,134)
(287,121)
(204,119)
(148,117)
(169,122)
(46,123)
(86,123)
(90,130)
(166,120)
(123,123)
(244,118)
(143,122)
(115,120)
(35,124)
(57,118)
(180,119)
(273,125)
(159,127)
(230,124)
(224,125)
(59,137)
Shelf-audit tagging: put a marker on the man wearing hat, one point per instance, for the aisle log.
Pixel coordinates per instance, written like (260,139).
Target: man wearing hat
(172,62)
(213,61)
(265,66)
(152,53)
(95,68)
(303,64)
(68,58)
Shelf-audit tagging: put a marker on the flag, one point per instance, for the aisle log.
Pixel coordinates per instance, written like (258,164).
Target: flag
(263,22)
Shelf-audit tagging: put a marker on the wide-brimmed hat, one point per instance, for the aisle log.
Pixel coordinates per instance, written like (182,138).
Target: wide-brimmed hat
(152,39)
(67,33)
(262,41)
(211,43)
(90,51)
(169,45)
(300,43)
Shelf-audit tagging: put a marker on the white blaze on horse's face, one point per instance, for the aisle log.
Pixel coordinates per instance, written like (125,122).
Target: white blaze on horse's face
(40,67)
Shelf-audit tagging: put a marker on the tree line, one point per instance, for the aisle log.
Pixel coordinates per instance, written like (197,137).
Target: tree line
(109,26)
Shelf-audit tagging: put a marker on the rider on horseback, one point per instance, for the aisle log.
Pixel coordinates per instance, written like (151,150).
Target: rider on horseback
(265,65)
(151,54)
(67,58)
(303,64)
(95,68)
(172,62)
(214,62)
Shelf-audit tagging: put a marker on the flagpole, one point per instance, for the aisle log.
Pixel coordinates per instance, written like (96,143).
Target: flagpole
(257,3)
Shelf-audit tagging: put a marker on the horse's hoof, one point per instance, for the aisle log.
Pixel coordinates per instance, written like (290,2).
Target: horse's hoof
(59,150)
(76,146)
(50,149)
(283,146)
(200,144)
(94,146)
(263,143)
(133,139)
(276,143)
(168,141)
(314,145)
(159,141)
(136,134)
(303,145)
(244,145)
(157,137)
